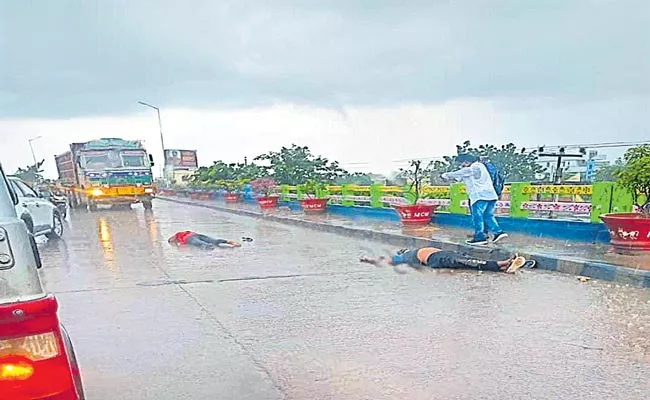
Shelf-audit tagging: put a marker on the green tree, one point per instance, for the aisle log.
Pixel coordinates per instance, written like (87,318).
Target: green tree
(296,164)
(218,171)
(221,171)
(516,165)
(311,188)
(250,171)
(356,178)
(417,176)
(437,168)
(635,176)
(607,173)
(32,174)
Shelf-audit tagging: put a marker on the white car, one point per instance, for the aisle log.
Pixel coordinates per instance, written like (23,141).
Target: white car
(40,215)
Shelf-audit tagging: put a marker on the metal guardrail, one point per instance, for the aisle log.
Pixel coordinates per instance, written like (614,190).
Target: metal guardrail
(519,200)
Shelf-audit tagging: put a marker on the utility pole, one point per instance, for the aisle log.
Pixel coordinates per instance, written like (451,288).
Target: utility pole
(31,147)
(557,175)
(162,139)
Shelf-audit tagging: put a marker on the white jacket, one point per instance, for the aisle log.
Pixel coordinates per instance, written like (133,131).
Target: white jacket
(477,182)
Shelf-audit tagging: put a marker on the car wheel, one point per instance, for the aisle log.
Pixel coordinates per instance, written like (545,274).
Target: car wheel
(74,365)
(57,227)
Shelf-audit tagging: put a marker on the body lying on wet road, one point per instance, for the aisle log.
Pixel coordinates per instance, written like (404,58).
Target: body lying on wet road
(189,238)
(436,258)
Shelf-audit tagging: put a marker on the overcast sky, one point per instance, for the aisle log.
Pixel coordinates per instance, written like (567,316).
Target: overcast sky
(367,82)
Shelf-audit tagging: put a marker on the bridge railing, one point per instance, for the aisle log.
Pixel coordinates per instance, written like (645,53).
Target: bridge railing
(519,200)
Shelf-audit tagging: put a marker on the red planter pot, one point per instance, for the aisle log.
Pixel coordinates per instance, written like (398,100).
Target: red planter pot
(629,232)
(267,202)
(418,214)
(313,205)
(231,197)
(204,196)
(194,196)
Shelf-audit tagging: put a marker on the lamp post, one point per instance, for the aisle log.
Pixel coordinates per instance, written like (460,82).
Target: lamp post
(162,140)
(31,147)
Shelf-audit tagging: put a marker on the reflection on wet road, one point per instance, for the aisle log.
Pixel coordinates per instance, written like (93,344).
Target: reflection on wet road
(293,315)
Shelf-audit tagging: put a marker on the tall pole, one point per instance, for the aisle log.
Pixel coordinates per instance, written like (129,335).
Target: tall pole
(162,139)
(557,174)
(31,147)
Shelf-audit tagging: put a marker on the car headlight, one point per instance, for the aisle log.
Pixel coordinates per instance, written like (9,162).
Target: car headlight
(97,192)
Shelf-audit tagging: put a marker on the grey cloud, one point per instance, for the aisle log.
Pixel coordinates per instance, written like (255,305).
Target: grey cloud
(72,58)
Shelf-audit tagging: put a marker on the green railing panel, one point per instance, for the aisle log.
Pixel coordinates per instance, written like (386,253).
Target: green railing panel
(456,196)
(601,200)
(621,200)
(346,191)
(284,192)
(518,195)
(375,196)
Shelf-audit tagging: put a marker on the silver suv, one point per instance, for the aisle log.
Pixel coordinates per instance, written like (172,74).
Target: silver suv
(37,359)
(40,215)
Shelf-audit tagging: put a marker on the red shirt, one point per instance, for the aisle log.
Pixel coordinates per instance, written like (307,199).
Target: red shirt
(181,237)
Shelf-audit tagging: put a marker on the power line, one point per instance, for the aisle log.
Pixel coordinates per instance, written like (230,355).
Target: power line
(599,145)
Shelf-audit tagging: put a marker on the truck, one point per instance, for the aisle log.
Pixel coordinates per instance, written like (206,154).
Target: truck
(108,171)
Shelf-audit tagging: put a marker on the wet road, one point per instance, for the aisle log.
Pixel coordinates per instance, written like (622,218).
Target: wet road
(292,315)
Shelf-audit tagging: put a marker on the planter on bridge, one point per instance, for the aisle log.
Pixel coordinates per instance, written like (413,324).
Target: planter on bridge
(416,214)
(231,197)
(314,206)
(205,196)
(265,187)
(315,196)
(267,202)
(629,232)
(230,190)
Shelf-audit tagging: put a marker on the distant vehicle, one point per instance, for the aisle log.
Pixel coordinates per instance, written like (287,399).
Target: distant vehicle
(37,359)
(109,171)
(40,215)
(57,198)
(61,202)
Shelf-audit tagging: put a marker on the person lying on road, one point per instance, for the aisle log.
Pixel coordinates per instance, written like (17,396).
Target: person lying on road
(436,258)
(205,242)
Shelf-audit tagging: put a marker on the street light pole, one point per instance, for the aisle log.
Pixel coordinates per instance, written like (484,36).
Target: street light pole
(31,147)
(162,139)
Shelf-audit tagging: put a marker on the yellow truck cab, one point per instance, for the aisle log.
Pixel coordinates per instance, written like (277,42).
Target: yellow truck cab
(109,171)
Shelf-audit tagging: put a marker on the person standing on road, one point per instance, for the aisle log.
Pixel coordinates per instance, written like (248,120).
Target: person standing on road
(194,239)
(436,258)
(482,197)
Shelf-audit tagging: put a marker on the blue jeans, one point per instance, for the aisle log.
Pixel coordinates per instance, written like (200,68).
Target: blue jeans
(204,241)
(483,217)
(485,231)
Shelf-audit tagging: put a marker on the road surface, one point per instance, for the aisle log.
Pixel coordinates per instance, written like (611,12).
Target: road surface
(293,315)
